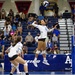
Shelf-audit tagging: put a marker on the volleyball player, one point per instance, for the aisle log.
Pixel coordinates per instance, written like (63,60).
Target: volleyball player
(15,58)
(41,41)
(19,53)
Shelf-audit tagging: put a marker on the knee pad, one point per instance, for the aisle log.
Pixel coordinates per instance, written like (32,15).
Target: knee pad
(43,52)
(26,64)
(37,52)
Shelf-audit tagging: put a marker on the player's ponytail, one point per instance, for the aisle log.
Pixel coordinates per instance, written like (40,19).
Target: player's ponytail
(17,40)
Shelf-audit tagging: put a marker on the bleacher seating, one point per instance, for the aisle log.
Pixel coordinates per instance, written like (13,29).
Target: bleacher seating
(33,33)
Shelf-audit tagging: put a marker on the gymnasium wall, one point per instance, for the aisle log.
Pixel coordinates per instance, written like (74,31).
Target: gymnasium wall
(34,8)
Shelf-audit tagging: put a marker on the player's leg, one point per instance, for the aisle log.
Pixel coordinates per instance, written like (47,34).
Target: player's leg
(18,71)
(22,61)
(37,53)
(44,53)
(13,67)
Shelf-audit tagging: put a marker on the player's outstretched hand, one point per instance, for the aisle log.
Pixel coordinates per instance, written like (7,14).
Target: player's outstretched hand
(55,26)
(34,21)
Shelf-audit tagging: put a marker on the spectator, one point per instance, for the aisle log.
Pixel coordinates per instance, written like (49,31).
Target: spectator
(55,7)
(3,14)
(30,21)
(42,8)
(8,25)
(11,13)
(16,21)
(17,16)
(1,47)
(54,39)
(6,32)
(14,26)
(13,36)
(25,48)
(22,16)
(55,50)
(56,32)
(49,46)
(2,34)
(19,28)
(73,13)
(29,39)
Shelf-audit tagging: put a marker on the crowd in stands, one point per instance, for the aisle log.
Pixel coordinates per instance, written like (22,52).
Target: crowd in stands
(21,25)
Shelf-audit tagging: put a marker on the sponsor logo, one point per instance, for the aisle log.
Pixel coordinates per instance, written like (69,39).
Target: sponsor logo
(31,61)
(68,60)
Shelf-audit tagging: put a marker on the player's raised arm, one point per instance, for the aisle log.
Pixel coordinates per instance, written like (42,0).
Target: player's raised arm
(54,27)
(34,24)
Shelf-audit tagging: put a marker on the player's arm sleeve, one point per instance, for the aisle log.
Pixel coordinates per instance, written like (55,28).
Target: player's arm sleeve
(49,30)
(35,25)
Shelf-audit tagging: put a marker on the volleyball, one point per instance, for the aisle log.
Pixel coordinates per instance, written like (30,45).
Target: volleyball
(45,3)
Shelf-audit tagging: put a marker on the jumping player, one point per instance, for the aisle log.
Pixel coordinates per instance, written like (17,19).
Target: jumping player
(15,58)
(41,41)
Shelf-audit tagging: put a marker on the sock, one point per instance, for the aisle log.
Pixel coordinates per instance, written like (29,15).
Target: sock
(18,69)
(27,73)
(35,59)
(44,59)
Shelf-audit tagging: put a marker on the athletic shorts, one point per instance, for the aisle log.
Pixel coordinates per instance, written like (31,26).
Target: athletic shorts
(13,58)
(43,39)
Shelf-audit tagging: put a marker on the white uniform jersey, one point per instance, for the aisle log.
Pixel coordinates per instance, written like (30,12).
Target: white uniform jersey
(43,30)
(15,50)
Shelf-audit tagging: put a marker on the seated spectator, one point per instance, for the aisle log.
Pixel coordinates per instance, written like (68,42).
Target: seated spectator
(54,39)
(1,47)
(2,34)
(3,14)
(55,49)
(49,46)
(8,25)
(22,16)
(11,13)
(29,39)
(16,21)
(30,21)
(14,27)
(17,16)
(25,48)
(13,36)
(19,28)
(6,33)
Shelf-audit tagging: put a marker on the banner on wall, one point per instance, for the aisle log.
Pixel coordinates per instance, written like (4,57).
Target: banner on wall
(23,6)
(57,63)
(1,4)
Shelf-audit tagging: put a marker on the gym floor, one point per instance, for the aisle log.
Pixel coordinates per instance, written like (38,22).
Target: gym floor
(39,73)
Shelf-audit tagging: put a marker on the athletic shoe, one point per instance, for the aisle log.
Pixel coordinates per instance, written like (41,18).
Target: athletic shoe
(35,63)
(11,74)
(27,73)
(45,62)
